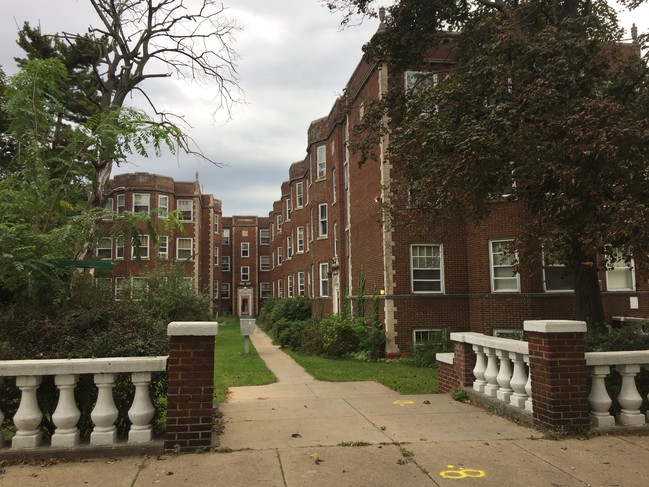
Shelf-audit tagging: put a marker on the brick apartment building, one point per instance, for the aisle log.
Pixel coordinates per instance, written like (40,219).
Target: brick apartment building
(327,234)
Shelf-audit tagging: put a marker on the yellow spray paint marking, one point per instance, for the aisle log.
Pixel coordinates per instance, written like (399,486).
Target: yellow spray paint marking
(462,473)
(403,403)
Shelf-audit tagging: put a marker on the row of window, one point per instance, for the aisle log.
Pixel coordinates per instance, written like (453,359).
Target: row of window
(296,285)
(427,271)
(141,248)
(139,286)
(142,203)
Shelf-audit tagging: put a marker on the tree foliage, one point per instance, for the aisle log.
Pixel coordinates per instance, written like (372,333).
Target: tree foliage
(543,95)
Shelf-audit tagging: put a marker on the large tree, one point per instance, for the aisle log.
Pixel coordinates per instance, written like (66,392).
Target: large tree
(543,94)
(134,41)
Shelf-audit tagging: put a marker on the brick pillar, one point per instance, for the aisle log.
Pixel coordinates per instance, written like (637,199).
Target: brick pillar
(559,374)
(464,362)
(190,395)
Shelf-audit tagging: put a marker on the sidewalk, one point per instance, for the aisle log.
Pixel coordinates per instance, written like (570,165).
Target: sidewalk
(291,434)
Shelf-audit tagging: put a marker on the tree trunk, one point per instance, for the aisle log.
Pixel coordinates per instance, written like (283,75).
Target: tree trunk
(588,294)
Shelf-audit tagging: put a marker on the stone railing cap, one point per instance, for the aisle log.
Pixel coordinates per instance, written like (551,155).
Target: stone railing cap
(555,326)
(192,328)
(445,357)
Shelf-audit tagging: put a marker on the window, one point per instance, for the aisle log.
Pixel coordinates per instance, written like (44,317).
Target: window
(324,279)
(426,268)
(299,195)
(104,283)
(245,249)
(119,247)
(119,287)
(245,273)
(289,208)
(300,240)
(163,205)
(264,236)
(139,288)
(289,246)
(620,275)
(264,290)
(279,255)
(225,290)
(333,185)
(141,202)
(215,290)
(431,336)
(322,220)
(502,260)
(216,223)
(321,161)
(121,204)
(108,206)
(225,263)
(216,257)
(300,283)
(416,79)
(336,239)
(289,282)
(279,224)
(225,239)
(105,248)
(555,277)
(141,247)
(264,263)
(280,288)
(184,248)
(163,247)
(186,208)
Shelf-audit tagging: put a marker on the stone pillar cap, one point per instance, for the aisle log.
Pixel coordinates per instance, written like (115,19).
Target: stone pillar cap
(193,328)
(555,326)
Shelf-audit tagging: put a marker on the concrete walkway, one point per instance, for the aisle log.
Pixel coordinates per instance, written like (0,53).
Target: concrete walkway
(301,432)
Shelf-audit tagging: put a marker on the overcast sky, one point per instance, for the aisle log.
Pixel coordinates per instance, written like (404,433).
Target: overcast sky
(294,62)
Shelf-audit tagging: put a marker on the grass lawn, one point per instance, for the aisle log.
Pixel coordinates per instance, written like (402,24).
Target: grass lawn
(232,367)
(400,377)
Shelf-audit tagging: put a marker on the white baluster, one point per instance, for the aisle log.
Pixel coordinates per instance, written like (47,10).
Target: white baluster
(67,414)
(528,386)
(142,410)
(504,376)
(598,399)
(490,375)
(629,399)
(479,369)
(104,413)
(29,416)
(518,382)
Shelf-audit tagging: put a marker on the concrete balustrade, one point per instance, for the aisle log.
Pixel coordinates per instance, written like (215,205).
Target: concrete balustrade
(28,418)
(547,376)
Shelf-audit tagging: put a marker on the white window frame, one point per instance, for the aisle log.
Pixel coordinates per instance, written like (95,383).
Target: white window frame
(225,263)
(217,260)
(323,220)
(119,287)
(279,255)
(279,222)
(104,248)
(163,205)
(189,204)
(299,234)
(144,241)
(321,162)
(104,283)
(299,195)
(552,265)
(441,335)
(108,206)
(139,288)
(415,266)
(245,273)
(121,204)
(333,186)
(264,290)
(225,238)
(183,250)
(300,284)
(119,247)
(620,267)
(145,197)
(289,247)
(280,288)
(264,263)
(245,250)
(289,208)
(289,286)
(264,236)
(324,279)
(163,247)
(493,266)
(414,79)
(216,224)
